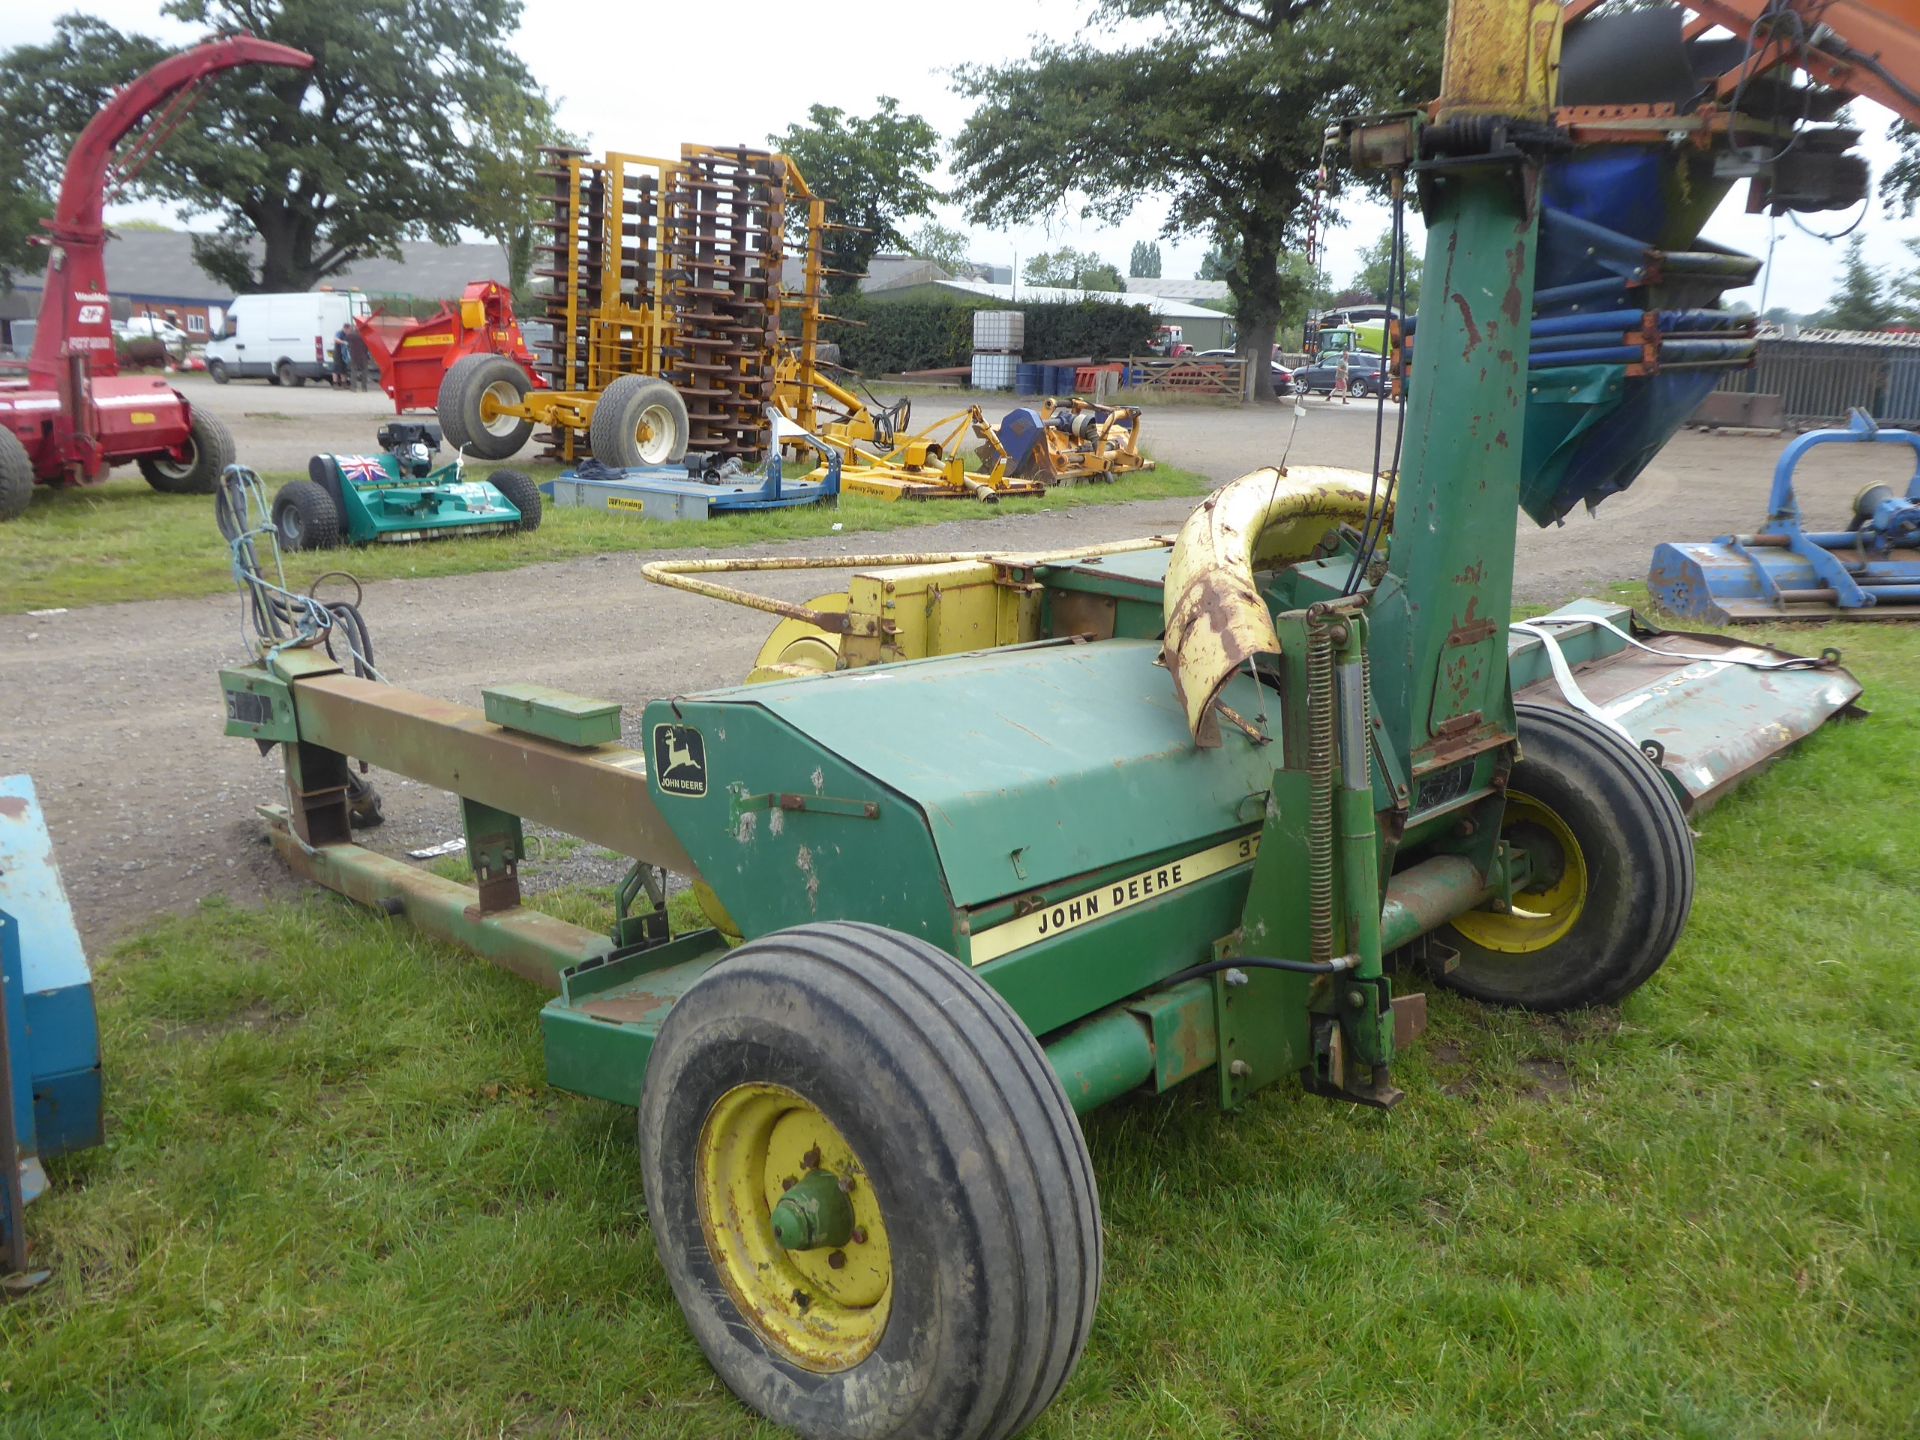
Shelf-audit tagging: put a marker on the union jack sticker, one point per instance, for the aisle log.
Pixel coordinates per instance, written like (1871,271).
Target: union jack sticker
(362,469)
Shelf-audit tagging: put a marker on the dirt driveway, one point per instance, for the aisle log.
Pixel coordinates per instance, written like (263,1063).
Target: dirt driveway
(115,710)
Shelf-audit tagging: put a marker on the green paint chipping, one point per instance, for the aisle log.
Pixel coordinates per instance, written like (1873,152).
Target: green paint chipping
(339,1197)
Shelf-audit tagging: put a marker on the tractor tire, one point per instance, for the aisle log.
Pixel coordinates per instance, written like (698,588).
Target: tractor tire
(305,517)
(464,387)
(210,452)
(217,372)
(638,421)
(1618,880)
(522,494)
(16,476)
(959,1303)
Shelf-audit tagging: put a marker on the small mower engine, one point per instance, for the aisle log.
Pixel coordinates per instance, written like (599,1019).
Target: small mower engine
(413,443)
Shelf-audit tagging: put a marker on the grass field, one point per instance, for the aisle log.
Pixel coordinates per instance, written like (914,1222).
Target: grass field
(122,541)
(338,1200)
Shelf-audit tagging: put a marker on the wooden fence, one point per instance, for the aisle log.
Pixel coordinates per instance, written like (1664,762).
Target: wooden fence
(1188,376)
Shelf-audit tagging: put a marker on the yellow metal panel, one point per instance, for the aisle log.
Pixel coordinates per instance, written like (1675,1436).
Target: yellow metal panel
(1502,58)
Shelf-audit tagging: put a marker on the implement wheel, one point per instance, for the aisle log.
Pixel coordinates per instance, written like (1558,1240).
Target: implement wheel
(1612,873)
(638,421)
(16,476)
(522,494)
(209,453)
(868,1190)
(472,396)
(305,517)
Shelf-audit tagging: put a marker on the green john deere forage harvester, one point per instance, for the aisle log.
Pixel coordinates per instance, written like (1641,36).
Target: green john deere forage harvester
(994,840)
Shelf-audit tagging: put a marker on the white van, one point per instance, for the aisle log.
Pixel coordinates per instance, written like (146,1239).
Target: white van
(282,339)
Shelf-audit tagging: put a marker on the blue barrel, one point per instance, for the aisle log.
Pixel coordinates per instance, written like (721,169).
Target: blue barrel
(1029,379)
(1060,379)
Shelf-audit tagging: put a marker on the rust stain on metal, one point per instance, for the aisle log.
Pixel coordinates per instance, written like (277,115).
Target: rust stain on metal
(1466,318)
(1512,305)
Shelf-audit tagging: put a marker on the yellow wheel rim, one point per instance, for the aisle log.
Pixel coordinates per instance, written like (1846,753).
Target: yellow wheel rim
(824,1309)
(800,645)
(1541,916)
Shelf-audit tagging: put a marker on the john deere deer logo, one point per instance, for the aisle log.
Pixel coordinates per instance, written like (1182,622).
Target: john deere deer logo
(679,760)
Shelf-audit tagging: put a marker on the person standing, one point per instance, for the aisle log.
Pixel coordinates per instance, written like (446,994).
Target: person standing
(360,359)
(341,366)
(1342,378)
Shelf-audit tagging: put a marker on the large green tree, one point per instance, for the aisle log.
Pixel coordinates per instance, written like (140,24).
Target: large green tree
(873,168)
(1222,108)
(415,121)
(1145,261)
(1072,269)
(1375,266)
(1861,302)
(941,245)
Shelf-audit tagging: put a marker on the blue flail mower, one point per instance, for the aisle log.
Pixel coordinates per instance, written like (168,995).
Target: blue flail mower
(1785,571)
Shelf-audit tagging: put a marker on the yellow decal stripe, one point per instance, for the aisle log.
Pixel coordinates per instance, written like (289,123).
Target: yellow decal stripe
(1110,899)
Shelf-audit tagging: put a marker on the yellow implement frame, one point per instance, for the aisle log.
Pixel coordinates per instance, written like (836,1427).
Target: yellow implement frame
(926,465)
(1084,441)
(628,256)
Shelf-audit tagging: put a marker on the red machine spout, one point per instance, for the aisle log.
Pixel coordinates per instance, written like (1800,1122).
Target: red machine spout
(74,310)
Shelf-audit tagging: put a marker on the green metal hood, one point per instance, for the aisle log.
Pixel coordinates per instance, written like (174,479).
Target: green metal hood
(1038,763)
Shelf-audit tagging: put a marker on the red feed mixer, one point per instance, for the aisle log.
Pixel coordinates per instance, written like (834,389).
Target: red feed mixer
(415,355)
(75,416)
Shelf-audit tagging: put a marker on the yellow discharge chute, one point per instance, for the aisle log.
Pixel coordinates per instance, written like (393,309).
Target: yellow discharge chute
(1216,619)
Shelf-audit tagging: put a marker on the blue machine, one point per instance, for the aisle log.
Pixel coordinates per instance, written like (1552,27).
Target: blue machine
(698,489)
(49,1038)
(1784,571)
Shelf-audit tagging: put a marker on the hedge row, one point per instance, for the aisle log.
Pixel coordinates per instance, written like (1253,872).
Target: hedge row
(897,336)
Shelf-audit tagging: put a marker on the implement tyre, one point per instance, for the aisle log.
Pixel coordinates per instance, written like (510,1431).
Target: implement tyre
(638,421)
(209,453)
(522,494)
(466,406)
(1613,881)
(16,476)
(305,517)
(868,1062)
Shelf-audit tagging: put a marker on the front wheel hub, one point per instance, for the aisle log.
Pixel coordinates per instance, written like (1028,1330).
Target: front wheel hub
(794,1226)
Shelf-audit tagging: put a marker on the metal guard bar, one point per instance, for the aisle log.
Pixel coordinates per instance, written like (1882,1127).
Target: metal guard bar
(683,574)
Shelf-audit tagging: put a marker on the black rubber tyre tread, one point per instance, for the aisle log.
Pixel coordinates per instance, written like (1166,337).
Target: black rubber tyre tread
(524,495)
(286,373)
(1640,884)
(217,372)
(16,476)
(610,433)
(458,407)
(212,454)
(961,1078)
(319,517)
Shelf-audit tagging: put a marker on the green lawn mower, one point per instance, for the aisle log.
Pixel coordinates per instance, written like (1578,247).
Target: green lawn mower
(399,495)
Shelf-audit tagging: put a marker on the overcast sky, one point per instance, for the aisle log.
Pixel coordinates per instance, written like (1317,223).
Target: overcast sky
(642,77)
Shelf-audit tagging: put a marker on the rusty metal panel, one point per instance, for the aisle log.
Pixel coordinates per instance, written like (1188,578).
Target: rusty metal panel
(599,794)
